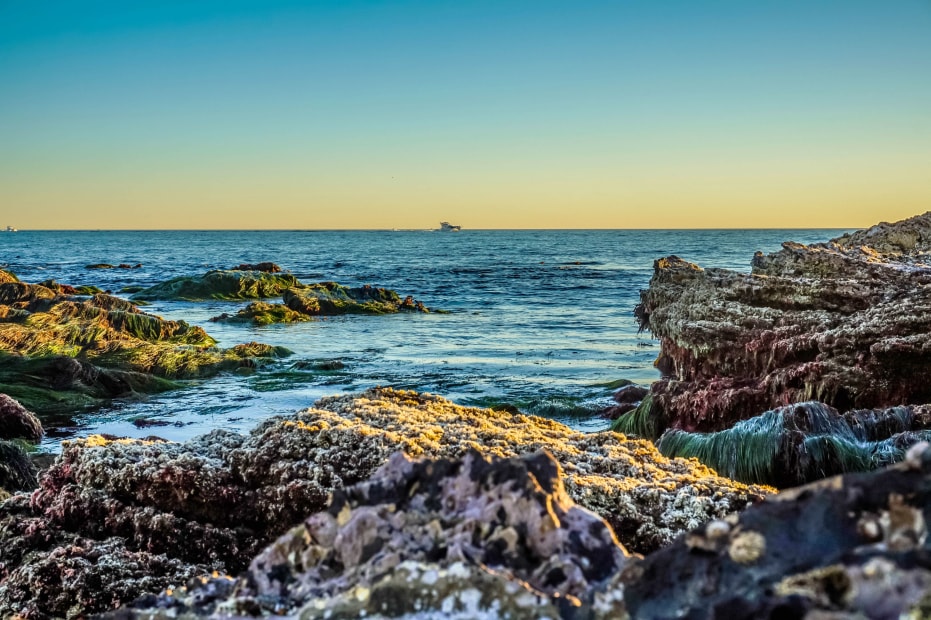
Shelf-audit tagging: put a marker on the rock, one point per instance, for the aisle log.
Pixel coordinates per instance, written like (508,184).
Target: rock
(804,442)
(435,536)
(214,502)
(17,472)
(262,313)
(630,394)
(267,267)
(7,276)
(330,298)
(99,266)
(121,349)
(843,323)
(17,422)
(848,547)
(221,285)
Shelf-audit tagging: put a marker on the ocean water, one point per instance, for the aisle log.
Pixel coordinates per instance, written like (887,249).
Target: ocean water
(540,320)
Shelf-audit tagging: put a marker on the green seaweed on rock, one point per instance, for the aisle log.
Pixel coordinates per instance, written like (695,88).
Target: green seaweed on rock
(229,285)
(644,421)
(800,443)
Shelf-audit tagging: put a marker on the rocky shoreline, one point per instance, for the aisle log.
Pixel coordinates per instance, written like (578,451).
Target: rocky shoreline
(393,503)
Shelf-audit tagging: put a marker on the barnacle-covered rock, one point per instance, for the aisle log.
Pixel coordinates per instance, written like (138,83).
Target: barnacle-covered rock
(853,546)
(474,535)
(213,502)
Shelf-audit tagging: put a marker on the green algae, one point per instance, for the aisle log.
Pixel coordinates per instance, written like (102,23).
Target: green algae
(262,313)
(645,421)
(331,298)
(226,285)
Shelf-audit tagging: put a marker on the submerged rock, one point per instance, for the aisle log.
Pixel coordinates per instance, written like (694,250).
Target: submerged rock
(17,422)
(232,284)
(267,267)
(212,503)
(847,323)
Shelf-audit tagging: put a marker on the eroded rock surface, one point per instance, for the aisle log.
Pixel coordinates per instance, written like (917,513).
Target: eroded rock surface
(472,535)
(17,422)
(215,501)
(847,323)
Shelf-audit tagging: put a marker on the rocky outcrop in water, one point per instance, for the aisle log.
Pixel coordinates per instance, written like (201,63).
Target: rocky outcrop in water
(847,323)
(219,284)
(60,352)
(330,298)
(267,267)
(133,517)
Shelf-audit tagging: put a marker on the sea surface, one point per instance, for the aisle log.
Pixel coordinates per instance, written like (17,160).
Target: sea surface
(540,320)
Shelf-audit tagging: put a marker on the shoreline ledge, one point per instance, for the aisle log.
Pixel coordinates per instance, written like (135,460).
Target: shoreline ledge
(116,519)
(845,323)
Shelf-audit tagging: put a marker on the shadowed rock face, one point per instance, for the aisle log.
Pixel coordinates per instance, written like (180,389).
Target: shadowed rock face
(18,422)
(847,323)
(215,501)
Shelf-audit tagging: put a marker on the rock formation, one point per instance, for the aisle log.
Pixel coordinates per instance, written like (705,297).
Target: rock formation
(219,284)
(847,323)
(128,517)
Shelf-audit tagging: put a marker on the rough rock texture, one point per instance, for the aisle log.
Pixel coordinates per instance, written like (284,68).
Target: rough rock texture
(851,546)
(6,276)
(330,298)
(219,284)
(213,502)
(41,329)
(17,422)
(17,473)
(847,323)
(262,313)
(498,522)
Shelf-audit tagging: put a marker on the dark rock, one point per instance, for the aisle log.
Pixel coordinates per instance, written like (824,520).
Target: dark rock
(613,413)
(100,266)
(267,267)
(17,422)
(630,394)
(854,547)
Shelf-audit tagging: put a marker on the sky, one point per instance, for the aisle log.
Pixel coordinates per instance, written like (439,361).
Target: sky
(488,114)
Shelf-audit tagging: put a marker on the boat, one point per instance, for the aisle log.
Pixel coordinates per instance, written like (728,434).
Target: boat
(447,227)
(10,229)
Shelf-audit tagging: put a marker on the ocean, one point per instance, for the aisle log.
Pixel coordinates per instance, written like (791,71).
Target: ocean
(538,319)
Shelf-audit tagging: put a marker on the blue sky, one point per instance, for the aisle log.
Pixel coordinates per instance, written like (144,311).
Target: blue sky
(383,114)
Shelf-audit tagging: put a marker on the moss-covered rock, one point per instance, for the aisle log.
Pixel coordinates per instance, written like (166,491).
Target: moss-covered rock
(330,298)
(120,349)
(232,284)
(262,313)
(7,276)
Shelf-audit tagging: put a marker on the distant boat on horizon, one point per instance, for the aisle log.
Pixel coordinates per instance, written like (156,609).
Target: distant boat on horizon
(447,227)
(10,229)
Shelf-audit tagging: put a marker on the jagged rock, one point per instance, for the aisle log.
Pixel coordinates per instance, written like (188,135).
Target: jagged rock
(842,322)
(232,284)
(7,276)
(473,535)
(847,547)
(120,348)
(215,501)
(330,298)
(267,267)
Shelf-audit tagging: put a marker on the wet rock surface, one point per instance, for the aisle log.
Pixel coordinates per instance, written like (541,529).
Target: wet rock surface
(17,422)
(330,298)
(846,323)
(220,284)
(185,510)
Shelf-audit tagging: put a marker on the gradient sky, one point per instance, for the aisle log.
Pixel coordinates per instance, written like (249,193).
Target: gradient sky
(497,114)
